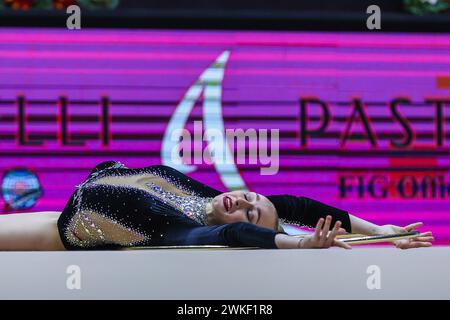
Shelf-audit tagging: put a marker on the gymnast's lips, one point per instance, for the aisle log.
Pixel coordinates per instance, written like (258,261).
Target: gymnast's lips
(227,203)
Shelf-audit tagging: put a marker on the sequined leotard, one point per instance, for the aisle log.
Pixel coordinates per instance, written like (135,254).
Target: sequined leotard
(153,206)
(119,207)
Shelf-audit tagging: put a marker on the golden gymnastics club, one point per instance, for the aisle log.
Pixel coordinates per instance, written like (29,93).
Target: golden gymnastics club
(348,238)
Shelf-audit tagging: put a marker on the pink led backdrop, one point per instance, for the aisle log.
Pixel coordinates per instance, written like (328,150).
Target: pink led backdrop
(363,117)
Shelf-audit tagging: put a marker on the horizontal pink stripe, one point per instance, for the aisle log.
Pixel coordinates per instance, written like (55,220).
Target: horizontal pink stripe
(14,35)
(238,72)
(236,56)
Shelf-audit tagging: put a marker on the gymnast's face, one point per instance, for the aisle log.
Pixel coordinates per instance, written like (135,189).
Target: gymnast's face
(243,206)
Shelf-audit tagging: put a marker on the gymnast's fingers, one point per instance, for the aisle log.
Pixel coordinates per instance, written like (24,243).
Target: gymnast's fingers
(423,244)
(424,239)
(325,230)
(413,226)
(413,244)
(333,233)
(316,235)
(338,243)
(426,236)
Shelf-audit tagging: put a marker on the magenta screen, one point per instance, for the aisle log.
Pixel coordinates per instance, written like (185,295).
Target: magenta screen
(362,118)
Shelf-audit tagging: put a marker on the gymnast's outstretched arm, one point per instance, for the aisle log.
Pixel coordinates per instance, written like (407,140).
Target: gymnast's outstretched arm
(306,211)
(243,234)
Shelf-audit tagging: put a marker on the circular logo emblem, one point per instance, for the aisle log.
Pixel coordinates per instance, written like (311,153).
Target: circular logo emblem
(20,189)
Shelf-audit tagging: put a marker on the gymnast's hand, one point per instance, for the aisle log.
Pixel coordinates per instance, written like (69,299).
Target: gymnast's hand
(321,238)
(422,239)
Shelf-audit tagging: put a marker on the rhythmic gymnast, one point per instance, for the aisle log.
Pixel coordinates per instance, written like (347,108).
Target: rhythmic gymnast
(117,207)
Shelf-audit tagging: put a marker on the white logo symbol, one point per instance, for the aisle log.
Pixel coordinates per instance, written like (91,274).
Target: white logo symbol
(73,282)
(220,142)
(210,83)
(374,280)
(74,20)
(374,20)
